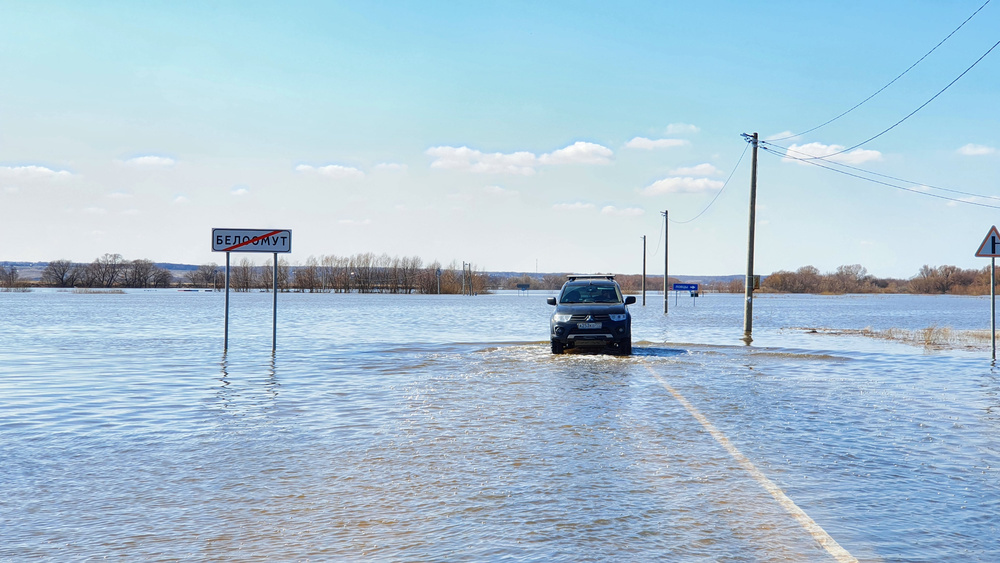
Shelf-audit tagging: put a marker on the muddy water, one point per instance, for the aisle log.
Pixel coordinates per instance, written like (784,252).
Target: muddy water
(440,428)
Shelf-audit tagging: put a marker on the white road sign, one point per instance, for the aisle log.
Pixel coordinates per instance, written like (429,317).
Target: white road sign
(991,245)
(251,240)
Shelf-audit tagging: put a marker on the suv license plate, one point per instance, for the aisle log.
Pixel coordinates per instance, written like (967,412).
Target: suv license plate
(588,325)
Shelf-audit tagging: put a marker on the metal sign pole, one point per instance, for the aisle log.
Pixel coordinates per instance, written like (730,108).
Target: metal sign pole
(225,339)
(272,241)
(274,306)
(993,305)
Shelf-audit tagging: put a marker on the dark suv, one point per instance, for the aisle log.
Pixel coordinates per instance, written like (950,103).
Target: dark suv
(591,312)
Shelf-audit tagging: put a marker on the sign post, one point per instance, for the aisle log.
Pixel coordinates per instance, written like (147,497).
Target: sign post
(678,287)
(253,240)
(990,248)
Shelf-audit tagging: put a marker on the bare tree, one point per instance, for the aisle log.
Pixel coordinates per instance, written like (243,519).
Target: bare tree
(137,273)
(205,276)
(107,270)
(60,273)
(284,275)
(307,277)
(161,277)
(265,276)
(9,277)
(241,275)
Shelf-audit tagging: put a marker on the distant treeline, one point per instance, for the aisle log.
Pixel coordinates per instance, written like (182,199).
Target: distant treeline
(371,273)
(110,270)
(361,273)
(855,279)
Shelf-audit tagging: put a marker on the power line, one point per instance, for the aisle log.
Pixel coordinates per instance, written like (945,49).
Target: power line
(720,190)
(813,161)
(891,82)
(841,164)
(909,115)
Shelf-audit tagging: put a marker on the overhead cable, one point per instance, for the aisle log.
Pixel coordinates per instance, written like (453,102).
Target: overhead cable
(807,156)
(891,82)
(909,115)
(726,183)
(822,164)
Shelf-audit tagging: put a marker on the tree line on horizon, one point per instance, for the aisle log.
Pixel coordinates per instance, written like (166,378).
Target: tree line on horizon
(360,273)
(371,273)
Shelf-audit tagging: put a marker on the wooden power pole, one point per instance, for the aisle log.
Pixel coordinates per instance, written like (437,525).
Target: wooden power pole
(643,270)
(748,289)
(666,237)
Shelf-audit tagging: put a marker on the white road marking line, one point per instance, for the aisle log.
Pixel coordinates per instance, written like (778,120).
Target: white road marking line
(814,529)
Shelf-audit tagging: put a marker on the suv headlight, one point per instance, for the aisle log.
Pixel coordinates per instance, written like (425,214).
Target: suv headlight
(618,317)
(561,317)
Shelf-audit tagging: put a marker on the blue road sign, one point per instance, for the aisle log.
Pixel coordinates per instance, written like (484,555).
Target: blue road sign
(685,287)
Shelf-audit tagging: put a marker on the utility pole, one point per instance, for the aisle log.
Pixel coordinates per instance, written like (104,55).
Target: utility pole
(748,289)
(643,270)
(666,237)
(463,277)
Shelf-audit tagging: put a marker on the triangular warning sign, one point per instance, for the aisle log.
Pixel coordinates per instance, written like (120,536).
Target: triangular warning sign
(991,244)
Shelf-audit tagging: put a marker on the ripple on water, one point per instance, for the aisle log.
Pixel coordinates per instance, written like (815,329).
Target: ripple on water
(124,440)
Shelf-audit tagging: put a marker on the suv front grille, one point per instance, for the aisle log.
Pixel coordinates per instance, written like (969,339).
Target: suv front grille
(583,318)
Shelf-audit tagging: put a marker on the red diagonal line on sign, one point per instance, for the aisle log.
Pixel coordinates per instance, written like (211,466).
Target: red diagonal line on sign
(251,241)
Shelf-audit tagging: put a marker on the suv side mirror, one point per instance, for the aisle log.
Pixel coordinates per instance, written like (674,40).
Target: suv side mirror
(630,300)
(551,300)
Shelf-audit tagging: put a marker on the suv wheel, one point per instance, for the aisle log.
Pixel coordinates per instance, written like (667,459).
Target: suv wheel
(557,347)
(625,347)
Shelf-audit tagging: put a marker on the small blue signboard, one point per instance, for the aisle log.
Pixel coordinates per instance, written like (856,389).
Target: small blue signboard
(685,287)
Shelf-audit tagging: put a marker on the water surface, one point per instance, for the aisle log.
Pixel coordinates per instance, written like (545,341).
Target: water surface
(440,428)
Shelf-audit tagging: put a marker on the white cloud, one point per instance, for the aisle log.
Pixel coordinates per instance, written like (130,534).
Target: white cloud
(95,210)
(355,222)
(649,144)
(682,128)
(132,211)
(151,161)
(498,191)
(119,195)
(464,158)
(335,171)
(31,172)
(681,184)
(391,166)
(578,206)
(705,169)
(239,190)
(626,212)
(976,150)
(181,199)
(522,162)
(579,152)
(857,156)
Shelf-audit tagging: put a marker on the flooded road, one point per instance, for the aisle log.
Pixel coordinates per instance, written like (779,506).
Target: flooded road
(440,428)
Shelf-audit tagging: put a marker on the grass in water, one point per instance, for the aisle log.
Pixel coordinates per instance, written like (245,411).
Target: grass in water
(88,291)
(931,337)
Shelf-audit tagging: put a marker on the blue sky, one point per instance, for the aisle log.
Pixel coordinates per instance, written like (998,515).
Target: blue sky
(506,134)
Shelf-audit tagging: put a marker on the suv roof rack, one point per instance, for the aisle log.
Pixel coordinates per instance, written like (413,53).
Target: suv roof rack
(574,277)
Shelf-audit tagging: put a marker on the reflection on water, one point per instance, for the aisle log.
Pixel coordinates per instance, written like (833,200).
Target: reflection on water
(413,428)
(250,392)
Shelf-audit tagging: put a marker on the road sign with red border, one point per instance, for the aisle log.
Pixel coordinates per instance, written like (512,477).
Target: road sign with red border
(251,240)
(991,244)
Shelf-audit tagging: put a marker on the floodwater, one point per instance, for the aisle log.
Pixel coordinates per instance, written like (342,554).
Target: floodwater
(428,428)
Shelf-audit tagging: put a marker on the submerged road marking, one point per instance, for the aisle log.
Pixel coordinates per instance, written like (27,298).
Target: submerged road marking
(814,529)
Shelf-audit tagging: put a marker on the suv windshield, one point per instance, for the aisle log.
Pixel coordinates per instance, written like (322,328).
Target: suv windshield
(590,293)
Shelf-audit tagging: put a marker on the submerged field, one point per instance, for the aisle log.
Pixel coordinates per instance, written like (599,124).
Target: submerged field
(426,428)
